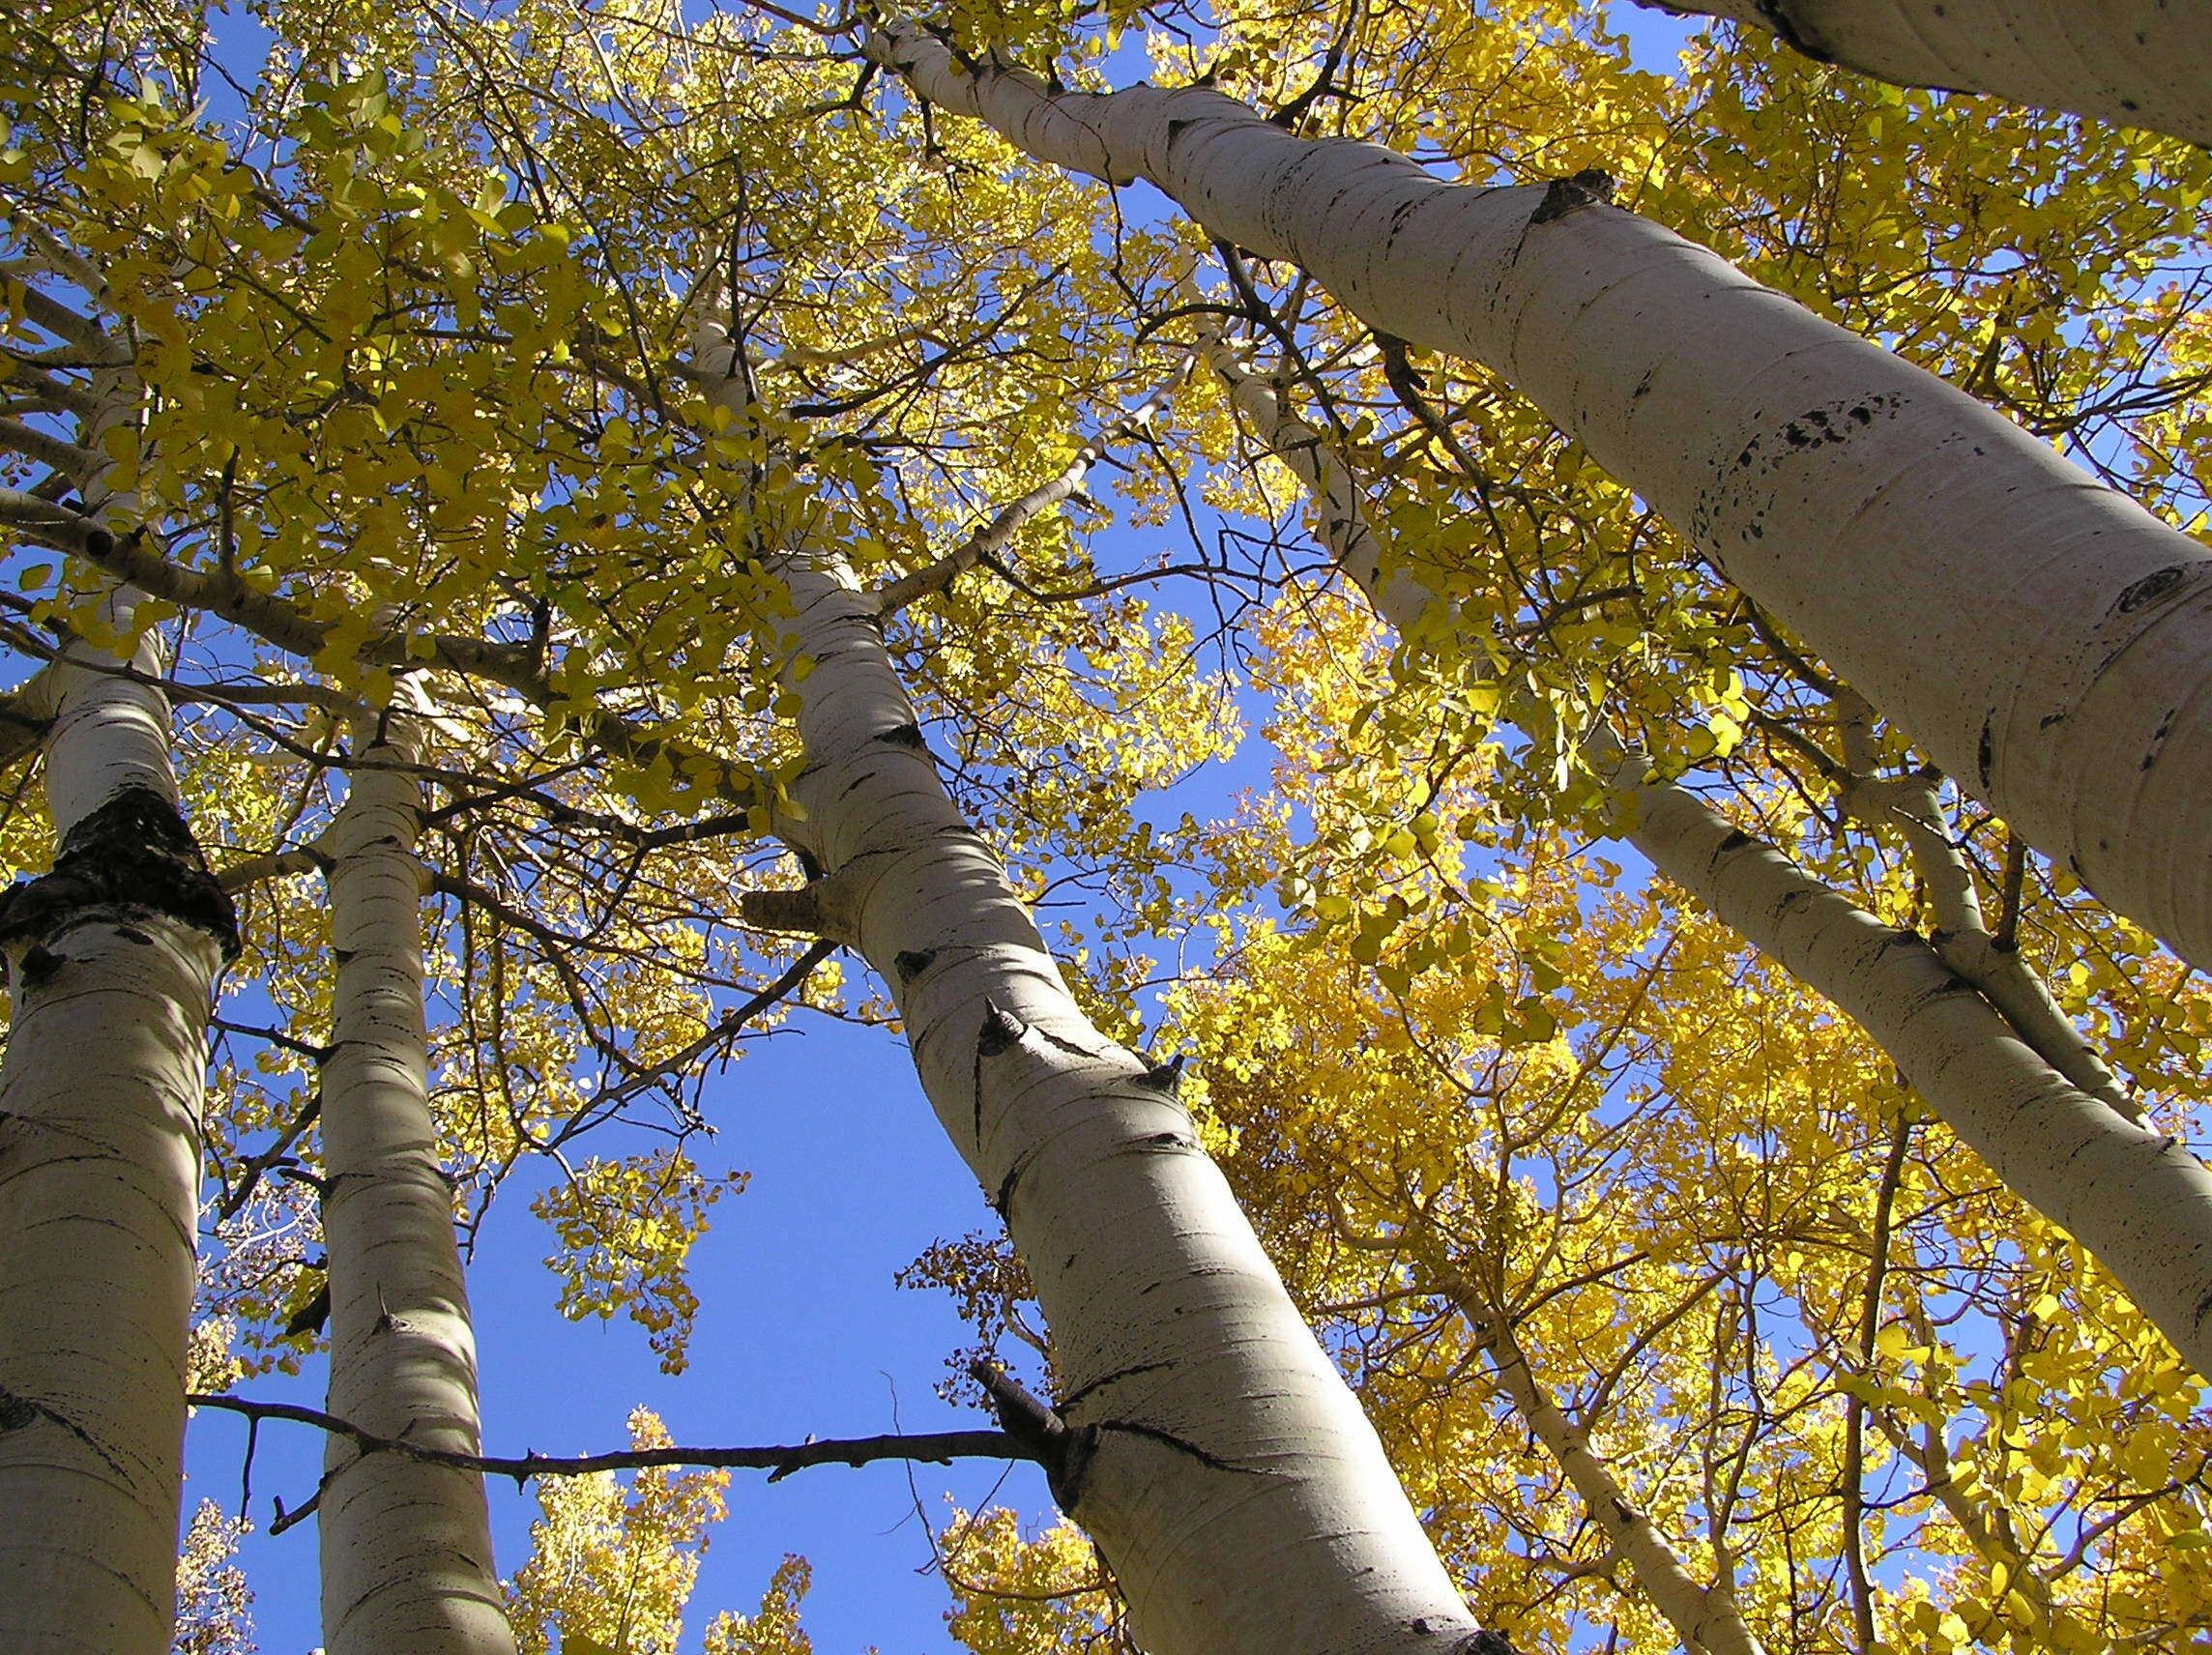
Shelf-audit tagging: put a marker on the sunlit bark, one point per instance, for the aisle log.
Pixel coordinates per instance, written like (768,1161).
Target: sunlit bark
(1213,1450)
(2136,1199)
(111,960)
(2135,63)
(406,1546)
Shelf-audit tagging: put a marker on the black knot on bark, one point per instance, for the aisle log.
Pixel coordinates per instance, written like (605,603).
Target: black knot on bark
(1488,1641)
(1164,1077)
(133,852)
(1589,188)
(1002,1031)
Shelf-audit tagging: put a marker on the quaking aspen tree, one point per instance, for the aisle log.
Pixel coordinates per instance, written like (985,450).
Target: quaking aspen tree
(1202,1438)
(2042,637)
(2136,1197)
(425,391)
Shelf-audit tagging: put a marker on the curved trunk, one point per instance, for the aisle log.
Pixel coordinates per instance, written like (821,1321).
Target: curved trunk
(111,960)
(2136,1199)
(406,1546)
(2135,63)
(2045,640)
(1203,1437)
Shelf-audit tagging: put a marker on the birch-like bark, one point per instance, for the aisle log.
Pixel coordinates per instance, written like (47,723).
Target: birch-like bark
(1206,1441)
(2135,63)
(406,1545)
(2136,1199)
(2045,640)
(1203,1438)
(112,958)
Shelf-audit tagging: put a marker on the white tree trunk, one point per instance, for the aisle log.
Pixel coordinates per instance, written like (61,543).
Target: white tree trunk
(2045,639)
(2136,1199)
(1210,1448)
(406,1546)
(2135,63)
(111,958)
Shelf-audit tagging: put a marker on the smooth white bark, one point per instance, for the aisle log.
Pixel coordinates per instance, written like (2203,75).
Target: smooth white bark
(1220,1462)
(2136,1199)
(2135,63)
(2047,641)
(406,1546)
(112,960)
(100,1144)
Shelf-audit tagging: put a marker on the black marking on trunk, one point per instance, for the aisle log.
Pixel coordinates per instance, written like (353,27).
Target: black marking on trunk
(1589,188)
(911,963)
(1183,1445)
(1735,840)
(133,852)
(19,1411)
(1161,1140)
(2144,592)
(1164,1077)
(1003,1199)
(1000,1032)
(1486,1642)
(907,735)
(1790,34)
(1097,1385)
(1986,750)
(2158,737)
(40,965)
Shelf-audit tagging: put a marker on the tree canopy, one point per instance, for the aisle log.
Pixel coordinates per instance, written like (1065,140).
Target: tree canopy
(687,459)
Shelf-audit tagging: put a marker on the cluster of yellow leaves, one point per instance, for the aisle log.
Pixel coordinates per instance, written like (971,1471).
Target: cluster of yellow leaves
(1019,1593)
(213,1603)
(612,1567)
(626,1227)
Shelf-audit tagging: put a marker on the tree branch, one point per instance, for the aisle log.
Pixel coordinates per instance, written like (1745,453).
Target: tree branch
(934,1447)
